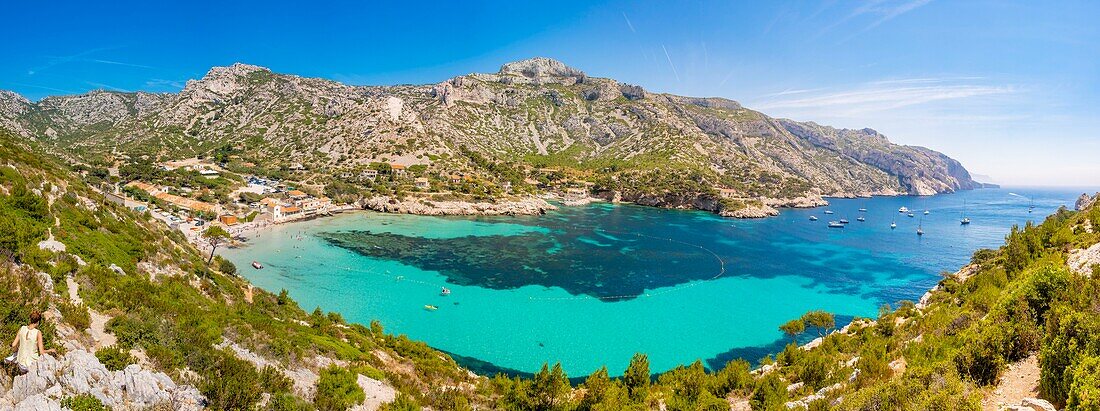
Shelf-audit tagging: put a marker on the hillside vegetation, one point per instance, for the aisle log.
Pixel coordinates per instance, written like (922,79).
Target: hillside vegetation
(205,327)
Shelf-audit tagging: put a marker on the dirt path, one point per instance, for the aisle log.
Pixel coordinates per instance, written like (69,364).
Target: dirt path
(1020,381)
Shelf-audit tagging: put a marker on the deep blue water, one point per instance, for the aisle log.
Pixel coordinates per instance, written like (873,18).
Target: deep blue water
(590,286)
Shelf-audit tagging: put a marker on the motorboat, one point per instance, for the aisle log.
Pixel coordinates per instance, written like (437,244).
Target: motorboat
(893,225)
(835,224)
(861,218)
(813,218)
(844,221)
(903,209)
(910,214)
(926,212)
(257,265)
(828,211)
(863,210)
(445,292)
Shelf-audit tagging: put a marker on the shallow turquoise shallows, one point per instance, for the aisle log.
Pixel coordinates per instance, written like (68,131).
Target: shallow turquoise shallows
(590,286)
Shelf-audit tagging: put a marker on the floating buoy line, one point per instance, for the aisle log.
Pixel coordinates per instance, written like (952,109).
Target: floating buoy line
(401,278)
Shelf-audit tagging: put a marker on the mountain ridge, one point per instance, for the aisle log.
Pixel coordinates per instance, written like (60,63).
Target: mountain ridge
(533,113)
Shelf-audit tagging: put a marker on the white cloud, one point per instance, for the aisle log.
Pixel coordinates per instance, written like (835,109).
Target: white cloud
(876,96)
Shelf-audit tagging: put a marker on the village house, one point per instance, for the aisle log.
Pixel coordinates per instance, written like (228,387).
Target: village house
(727,193)
(148,188)
(181,202)
(228,219)
(313,204)
(398,169)
(422,183)
(186,203)
(209,173)
(280,213)
(297,194)
(269,202)
(368,175)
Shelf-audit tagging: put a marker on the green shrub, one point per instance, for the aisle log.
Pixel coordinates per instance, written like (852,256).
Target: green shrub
(770,393)
(226,266)
(1084,392)
(337,390)
(229,383)
(114,358)
(288,402)
(274,381)
(83,402)
(402,403)
(76,315)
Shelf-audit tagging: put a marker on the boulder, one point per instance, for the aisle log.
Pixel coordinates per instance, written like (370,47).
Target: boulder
(38,402)
(1037,404)
(40,376)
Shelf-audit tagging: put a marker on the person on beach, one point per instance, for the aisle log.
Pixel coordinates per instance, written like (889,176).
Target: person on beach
(28,344)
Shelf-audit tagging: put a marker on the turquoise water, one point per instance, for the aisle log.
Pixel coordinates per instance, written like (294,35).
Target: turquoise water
(590,286)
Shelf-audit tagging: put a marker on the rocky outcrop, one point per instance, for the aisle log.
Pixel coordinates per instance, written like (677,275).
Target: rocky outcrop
(79,372)
(750,211)
(1085,201)
(542,69)
(528,206)
(1082,261)
(920,171)
(376,392)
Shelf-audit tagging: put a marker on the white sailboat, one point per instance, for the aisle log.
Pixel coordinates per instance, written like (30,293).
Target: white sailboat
(965,220)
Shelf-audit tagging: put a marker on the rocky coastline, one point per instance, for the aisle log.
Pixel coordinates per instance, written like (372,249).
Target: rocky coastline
(421,206)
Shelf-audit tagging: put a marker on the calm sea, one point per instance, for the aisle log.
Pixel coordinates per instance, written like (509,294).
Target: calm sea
(590,286)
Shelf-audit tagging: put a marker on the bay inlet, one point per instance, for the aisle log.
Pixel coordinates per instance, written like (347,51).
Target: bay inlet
(590,286)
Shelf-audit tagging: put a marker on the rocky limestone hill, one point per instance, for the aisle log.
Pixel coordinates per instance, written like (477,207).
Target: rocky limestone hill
(536,113)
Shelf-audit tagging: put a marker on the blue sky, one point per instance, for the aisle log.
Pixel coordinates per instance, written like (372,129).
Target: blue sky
(1009,88)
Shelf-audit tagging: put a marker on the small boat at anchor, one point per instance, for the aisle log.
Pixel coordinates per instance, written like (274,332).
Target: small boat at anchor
(926,212)
(828,211)
(430,307)
(844,221)
(861,218)
(903,209)
(445,292)
(965,220)
(863,210)
(910,214)
(835,224)
(893,225)
(257,265)
(813,218)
